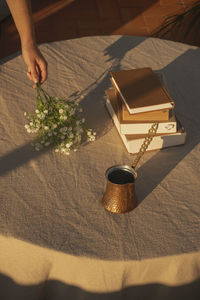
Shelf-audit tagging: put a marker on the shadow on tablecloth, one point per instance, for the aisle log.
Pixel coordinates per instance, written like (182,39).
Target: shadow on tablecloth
(57,290)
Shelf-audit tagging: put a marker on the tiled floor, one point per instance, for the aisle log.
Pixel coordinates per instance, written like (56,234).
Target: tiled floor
(65,19)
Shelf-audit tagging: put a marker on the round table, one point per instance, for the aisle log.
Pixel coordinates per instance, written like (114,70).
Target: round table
(53,226)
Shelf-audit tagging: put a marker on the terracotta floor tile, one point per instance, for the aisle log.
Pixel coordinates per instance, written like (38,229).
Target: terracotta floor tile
(77,9)
(153,23)
(132,30)
(108,9)
(128,17)
(160,10)
(107,25)
(140,3)
(168,2)
(64,30)
(189,1)
(64,19)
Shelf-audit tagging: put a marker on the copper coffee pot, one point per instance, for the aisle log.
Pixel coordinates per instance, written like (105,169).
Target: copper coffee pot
(120,196)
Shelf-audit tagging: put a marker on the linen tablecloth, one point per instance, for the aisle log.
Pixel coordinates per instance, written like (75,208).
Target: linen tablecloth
(57,241)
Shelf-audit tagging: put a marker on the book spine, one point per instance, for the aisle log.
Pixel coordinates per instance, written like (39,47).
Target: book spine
(116,123)
(122,97)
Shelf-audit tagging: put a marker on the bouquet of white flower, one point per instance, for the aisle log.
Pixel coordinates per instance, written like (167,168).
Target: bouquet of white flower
(57,123)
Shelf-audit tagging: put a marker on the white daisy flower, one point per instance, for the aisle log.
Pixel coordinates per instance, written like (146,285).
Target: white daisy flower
(91,138)
(89,133)
(42,116)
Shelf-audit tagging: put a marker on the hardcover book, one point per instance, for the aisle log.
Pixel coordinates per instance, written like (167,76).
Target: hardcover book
(141,90)
(133,142)
(155,115)
(137,127)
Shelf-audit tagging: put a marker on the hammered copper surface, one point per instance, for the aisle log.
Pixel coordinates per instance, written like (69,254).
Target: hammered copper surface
(119,198)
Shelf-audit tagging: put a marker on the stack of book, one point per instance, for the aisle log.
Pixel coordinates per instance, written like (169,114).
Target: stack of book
(137,100)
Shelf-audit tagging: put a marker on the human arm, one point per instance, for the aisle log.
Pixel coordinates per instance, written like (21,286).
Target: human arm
(22,15)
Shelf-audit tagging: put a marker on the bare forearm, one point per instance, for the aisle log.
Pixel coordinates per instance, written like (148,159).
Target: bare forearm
(22,15)
(36,63)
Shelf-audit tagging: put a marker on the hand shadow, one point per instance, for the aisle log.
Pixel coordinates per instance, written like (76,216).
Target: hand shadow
(92,99)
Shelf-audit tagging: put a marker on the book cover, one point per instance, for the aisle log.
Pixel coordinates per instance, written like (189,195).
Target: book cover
(155,115)
(133,142)
(130,127)
(141,90)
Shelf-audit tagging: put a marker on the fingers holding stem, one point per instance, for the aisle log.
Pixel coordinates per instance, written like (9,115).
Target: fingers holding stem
(37,65)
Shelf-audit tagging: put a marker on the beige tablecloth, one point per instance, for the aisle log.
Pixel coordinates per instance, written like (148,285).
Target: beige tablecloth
(56,240)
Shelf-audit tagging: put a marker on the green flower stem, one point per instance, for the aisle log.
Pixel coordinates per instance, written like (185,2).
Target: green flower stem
(46,96)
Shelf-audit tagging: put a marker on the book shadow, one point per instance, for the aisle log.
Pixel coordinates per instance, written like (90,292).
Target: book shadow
(183,86)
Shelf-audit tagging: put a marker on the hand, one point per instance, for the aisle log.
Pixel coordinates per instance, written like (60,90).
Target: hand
(37,65)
